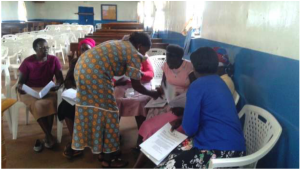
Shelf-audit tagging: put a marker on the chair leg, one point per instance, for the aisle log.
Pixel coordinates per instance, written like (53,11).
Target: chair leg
(15,74)
(8,119)
(27,116)
(63,56)
(15,120)
(59,129)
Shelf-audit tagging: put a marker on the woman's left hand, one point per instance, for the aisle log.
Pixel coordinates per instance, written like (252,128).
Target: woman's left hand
(55,88)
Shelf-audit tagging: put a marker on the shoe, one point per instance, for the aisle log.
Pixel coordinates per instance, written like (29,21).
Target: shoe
(38,146)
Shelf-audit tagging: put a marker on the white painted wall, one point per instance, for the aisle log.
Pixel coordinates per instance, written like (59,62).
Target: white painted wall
(9,10)
(271,27)
(127,10)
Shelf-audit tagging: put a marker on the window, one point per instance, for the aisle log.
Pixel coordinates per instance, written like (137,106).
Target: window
(22,12)
(194,16)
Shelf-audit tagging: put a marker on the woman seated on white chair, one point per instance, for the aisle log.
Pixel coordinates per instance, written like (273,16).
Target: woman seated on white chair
(225,68)
(210,118)
(178,73)
(36,71)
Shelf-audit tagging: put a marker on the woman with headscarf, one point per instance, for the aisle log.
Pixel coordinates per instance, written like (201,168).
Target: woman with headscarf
(96,114)
(225,68)
(65,110)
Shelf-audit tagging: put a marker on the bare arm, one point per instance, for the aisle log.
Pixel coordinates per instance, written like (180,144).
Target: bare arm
(137,86)
(22,80)
(59,80)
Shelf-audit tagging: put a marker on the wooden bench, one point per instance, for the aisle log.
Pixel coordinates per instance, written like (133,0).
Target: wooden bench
(126,25)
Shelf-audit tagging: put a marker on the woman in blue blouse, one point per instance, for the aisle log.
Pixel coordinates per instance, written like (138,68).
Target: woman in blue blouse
(210,118)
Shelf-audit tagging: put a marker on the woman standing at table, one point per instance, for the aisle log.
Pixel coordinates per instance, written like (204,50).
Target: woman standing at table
(66,110)
(96,114)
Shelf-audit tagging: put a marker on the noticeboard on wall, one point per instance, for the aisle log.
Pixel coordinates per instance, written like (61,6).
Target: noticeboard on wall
(108,12)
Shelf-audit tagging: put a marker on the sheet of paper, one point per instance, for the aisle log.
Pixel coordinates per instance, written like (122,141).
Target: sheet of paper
(119,77)
(178,101)
(159,102)
(46,89)
(30,91)
(69,95)
(169,91)
(160,144)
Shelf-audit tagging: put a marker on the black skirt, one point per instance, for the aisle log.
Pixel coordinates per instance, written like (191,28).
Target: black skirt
(66,110)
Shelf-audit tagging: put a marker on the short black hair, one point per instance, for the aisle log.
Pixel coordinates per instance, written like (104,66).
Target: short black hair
(205,60)
(175,50)
(140,38)
(36,41)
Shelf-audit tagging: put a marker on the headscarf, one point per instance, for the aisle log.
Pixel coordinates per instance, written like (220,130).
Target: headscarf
(222,56)
(88,41)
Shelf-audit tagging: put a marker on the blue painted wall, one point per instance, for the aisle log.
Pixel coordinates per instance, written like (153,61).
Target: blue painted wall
(267,81)
(65,20)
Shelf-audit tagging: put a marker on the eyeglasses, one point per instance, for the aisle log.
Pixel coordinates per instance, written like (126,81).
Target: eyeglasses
(45,48)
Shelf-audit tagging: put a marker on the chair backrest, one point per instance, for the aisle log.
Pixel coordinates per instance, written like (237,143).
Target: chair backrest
(7,80)
(236,97)
(4,52)
(74,24)
(156,51)
(98,26)
(157,61)
(261,131)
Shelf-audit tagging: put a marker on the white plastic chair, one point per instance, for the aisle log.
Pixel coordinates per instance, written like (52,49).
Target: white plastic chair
(15,114)
(156,51)
(98,26)
(74,24)
(236,97)
(157,61)
(7,94)
(261,131)
(58,48)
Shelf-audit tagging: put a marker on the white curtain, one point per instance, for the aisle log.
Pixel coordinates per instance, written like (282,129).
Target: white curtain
(159,19)
(22,12)
(145,11)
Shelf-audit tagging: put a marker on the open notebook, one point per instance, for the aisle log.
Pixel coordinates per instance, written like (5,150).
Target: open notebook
(40,94)
(161,143)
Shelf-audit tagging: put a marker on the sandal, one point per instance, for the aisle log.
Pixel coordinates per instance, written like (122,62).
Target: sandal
(111,163)
(70,153)
(101,157)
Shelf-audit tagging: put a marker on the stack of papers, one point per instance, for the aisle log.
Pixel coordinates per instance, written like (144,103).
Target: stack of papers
(69,95)
(40,94)
(160,144)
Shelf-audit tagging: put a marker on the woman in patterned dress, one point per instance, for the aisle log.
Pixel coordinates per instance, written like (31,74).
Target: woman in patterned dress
(96,114)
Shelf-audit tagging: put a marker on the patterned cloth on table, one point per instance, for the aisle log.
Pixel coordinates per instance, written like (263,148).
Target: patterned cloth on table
(134,105)
(96,115)
(185,156)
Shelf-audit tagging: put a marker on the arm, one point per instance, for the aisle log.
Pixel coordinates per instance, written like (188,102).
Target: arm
(191,116)
(147,71)
(137,86)
(22,80)
(58,75)
(59,80)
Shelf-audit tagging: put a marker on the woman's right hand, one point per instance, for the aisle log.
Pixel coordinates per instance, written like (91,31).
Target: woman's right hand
(19,88)
(155,94)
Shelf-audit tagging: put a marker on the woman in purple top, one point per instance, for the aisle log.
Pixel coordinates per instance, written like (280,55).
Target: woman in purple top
(37,71)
